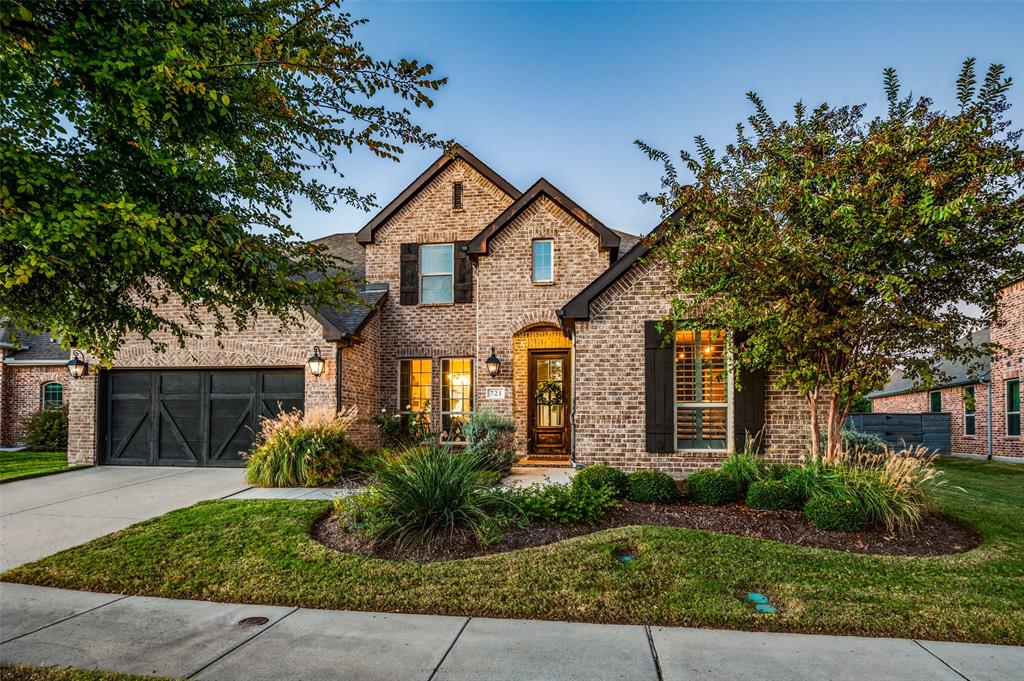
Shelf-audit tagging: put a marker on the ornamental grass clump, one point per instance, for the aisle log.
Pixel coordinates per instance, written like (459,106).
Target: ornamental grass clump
(430,492)
(296,449)
(744,467)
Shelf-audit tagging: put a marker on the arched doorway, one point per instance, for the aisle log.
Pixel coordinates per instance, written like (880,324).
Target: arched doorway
(542,393)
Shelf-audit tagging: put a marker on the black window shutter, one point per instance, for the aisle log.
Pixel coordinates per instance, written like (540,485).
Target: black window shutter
(410,275)
(659,402)
(463,274)
(748,405)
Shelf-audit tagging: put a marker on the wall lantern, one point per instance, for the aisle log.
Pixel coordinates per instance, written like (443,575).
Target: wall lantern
(77,366)
(316,362)
(493,364)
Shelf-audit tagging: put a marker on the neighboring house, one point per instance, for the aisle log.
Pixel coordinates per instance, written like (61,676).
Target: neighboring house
(460,268)
(965,391)
(33,376)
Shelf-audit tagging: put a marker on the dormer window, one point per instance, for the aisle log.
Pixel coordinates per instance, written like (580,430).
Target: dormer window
(457,195)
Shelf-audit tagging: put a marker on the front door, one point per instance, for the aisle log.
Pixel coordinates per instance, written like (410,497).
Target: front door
(549,401)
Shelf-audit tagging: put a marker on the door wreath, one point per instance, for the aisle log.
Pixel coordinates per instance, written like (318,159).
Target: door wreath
(549,393)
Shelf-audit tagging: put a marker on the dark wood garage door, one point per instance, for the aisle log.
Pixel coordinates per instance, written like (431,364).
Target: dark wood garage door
(192,418)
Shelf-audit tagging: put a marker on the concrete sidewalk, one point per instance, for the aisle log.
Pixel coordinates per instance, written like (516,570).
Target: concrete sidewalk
(198,639)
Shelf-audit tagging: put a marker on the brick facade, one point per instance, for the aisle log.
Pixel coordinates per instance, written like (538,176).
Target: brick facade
(360,383)
(1008,332)
(21,394)
(609,356)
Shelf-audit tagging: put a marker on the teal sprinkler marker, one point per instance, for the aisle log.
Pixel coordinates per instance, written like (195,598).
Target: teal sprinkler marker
(757,598)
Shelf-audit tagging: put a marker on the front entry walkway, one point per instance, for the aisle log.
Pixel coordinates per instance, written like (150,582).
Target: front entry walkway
(203,640)
(41,516)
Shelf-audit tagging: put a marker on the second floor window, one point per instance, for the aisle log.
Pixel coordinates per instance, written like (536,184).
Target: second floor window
(543,267)
(969,411)
(437,267)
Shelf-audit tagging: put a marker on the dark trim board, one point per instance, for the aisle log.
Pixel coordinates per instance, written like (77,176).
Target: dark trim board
(189,417)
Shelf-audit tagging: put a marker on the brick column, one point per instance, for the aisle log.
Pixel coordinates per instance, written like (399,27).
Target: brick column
(82,418)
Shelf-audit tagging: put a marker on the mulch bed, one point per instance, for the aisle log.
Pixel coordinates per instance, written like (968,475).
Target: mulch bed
(938,535)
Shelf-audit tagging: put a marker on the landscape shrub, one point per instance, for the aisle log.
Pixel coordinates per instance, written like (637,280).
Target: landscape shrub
(744,467)
(565,504)
(773,495)
(492,436)
(854,441)
(714,487)
(777,471)
(429,492)
(303,450)
(46,429)
(401,429)
(602,475)
(652,487)
(838,514)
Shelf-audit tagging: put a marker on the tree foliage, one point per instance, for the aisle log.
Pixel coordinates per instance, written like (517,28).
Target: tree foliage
(152,151)
(839,249)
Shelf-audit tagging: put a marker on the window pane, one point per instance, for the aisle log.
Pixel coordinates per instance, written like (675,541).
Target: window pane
(456,395)
(437,259)
(542,261)
(701,390)
(414,387)
(1013,396)
(53,395)
(936,402)
(969,403)
(436,288)
(969,424)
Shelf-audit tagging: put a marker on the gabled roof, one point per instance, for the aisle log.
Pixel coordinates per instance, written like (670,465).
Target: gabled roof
(346,247)
(31,347)
(365,235)
(957,374)
(579,306)
(609,237)
(348,320)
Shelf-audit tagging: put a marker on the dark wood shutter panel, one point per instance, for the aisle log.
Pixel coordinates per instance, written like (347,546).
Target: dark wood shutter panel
(748,407)
(463,274)
(659,402)
(410,275)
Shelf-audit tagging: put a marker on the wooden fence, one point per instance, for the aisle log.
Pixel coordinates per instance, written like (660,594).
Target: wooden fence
(899,430)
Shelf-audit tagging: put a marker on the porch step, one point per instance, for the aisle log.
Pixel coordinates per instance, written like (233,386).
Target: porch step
(544,462)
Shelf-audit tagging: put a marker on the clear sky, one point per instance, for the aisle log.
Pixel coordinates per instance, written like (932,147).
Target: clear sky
(561,90)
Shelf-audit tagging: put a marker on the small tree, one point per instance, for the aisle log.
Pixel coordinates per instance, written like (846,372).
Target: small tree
(839,249)
(153,151)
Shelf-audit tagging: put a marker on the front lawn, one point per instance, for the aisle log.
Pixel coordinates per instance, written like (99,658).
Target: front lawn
(34,673)
(261,552)
(24,464)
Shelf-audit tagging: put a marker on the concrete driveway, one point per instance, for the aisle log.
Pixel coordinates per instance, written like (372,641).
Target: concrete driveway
(41,516)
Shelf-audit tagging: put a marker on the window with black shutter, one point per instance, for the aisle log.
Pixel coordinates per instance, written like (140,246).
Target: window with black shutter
(463,274)
(658,398)
(409,274)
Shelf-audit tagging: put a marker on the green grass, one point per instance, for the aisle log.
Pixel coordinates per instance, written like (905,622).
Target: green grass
(33,673)
(25,464)
(260,552)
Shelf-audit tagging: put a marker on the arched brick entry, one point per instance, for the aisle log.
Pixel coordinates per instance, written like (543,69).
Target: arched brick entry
(539,334)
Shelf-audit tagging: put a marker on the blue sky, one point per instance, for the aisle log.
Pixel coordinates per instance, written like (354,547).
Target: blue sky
(561,90)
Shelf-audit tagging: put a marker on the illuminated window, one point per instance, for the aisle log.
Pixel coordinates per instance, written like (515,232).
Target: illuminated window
(456,396)
(414,381)
(437,265)
(702,402)
(543,268)
(53,396)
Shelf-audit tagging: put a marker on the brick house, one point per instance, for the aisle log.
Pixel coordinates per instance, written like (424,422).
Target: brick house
(33,376)
(975,396)
(460,268)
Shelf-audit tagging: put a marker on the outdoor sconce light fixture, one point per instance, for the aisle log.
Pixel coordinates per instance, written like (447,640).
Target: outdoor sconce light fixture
(316,362)
(77,366)
(493,364)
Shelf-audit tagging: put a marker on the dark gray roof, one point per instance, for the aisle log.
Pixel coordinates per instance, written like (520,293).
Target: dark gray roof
(955,373)
(343,321)
(31,347)
(346,247)
(628,241)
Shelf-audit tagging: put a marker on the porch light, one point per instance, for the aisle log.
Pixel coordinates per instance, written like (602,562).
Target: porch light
(493,364)
(77,366)
(316,362)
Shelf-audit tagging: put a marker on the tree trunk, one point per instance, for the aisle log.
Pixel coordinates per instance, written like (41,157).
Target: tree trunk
(835,425)
(812,398)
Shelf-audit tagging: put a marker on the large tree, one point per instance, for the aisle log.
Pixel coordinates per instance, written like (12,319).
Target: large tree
(153,150)
(838,249)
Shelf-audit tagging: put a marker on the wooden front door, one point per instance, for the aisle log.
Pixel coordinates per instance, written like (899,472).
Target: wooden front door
(549,412)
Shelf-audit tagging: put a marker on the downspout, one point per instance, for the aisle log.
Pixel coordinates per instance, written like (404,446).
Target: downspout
(988,394)
(337,377)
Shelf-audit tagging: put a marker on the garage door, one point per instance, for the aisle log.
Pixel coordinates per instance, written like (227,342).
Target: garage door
(191,418)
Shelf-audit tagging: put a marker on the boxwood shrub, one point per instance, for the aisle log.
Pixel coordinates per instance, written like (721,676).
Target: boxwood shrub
(602,475)
(651,487)
(713,487)
(773,495)
(834,513)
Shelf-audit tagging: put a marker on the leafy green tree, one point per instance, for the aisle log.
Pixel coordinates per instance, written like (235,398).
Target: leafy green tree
(839,249)
(152,151)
